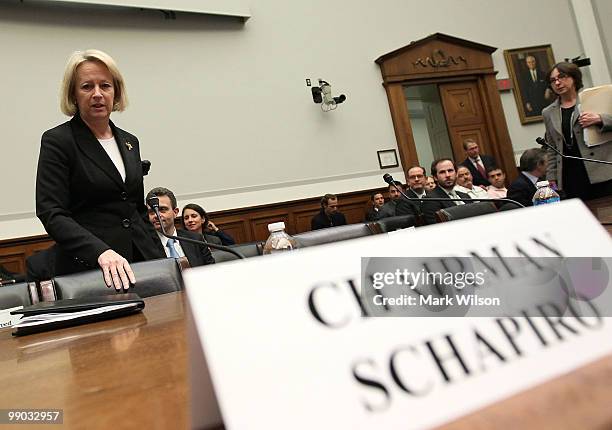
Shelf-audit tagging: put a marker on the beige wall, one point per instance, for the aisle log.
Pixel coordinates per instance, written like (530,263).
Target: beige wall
(226,102)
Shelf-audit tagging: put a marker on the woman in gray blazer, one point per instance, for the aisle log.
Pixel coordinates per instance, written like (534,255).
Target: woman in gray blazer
(564,130)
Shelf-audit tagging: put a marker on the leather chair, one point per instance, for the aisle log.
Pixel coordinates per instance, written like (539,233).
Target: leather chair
(40,266)
(334,234)
(20,294)
(465,211)
(397,223)
(153,277)
(252,249)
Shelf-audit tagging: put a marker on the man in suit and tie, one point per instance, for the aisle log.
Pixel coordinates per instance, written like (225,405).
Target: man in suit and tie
(533,165)
(417,177)
(476,163)
(197,255)
(445,172)
(536,93)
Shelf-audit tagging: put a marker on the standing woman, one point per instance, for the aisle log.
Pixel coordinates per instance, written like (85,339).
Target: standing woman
(564,130)
(89,187)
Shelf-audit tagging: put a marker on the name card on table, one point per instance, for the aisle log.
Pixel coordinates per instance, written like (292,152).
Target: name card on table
(296,340)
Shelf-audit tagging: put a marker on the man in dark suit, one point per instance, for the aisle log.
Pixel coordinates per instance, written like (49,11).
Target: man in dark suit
(533,165)
(197,255)
(378,200)
(389,209)
(477,164)
(445,172)
(535,88)
(328,216)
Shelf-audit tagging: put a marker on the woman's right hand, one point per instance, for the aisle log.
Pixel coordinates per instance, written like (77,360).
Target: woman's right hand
(116,269)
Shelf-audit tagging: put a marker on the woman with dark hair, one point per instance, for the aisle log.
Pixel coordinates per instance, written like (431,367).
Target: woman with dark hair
(564,123)
(196,219)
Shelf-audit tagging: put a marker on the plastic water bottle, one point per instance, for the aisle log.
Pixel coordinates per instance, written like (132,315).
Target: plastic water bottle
(545,194)
(278,241)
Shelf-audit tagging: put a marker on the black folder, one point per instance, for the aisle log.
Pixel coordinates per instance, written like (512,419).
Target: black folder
(78,305)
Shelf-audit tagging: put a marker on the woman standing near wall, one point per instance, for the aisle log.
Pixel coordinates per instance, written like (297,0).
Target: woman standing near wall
(564,130)
(89,187)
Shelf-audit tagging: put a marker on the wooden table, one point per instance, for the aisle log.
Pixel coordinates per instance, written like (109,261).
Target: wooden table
(129,372)
(132,373)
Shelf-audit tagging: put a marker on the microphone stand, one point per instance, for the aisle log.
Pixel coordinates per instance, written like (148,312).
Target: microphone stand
(389,180)
(153,203)
(544,143)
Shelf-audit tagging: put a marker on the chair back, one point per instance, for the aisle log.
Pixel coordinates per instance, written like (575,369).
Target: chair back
(153,277)
(465,211)
(397,223)
(20,294)
(252,249)
(333,234)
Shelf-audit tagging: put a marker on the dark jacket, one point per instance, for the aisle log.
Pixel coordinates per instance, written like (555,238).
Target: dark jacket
(84,204)
(522,190)
(197,255)
(489,163)
(321,220)
(431,207)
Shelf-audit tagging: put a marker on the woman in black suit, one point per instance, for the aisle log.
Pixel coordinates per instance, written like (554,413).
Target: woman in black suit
(89,187)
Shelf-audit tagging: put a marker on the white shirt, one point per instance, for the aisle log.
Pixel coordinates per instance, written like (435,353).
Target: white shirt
(532,178)
(475,193)
(111,148)
(177,244)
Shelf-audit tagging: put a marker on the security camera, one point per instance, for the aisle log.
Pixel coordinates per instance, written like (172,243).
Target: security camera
(580,62)
(323,94)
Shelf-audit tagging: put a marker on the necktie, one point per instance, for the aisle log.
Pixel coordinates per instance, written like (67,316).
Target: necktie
(533,76)
(171,249)
(481,168)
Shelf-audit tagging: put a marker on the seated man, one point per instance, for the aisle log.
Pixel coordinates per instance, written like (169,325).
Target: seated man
(377,202)
(466,185)
(328,216)
(197,255)
(532,165)
(389,208)
(497,178)
(444,171)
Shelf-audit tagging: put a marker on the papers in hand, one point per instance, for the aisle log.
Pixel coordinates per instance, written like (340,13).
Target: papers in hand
(598,100)
(53,317)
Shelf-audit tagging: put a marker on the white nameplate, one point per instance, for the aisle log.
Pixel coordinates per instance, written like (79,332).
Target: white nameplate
(286,346)
(8,320)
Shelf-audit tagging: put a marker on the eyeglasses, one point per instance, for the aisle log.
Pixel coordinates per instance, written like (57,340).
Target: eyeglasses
(558,77)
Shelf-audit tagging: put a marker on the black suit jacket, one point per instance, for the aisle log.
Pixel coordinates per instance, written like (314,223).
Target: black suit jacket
(431,207)
(489,163)
(321,220)
(84,204)
(197,255)
(522,190)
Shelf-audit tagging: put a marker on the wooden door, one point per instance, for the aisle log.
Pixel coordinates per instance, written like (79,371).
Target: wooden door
(464,116)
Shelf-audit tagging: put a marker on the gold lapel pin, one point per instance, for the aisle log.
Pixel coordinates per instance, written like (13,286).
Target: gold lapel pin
(128,145)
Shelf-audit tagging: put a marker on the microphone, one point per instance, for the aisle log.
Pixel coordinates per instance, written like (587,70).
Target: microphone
(153,203)
(389,180)
(540,141)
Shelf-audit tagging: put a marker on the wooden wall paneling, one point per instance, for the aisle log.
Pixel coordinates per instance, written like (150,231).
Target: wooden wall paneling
(499,134)
(259,223)
(401,125)
(244,224)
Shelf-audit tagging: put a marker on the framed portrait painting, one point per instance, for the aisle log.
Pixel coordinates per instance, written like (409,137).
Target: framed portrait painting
(528,68)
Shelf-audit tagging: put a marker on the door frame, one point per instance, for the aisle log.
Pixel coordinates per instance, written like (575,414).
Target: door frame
(440,59)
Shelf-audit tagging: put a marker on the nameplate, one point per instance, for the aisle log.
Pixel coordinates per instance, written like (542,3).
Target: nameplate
(284,341)
(8,320)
